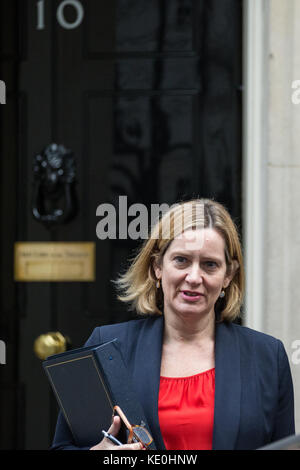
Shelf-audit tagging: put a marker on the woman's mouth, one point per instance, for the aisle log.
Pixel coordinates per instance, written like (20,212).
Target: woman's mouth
(191,296)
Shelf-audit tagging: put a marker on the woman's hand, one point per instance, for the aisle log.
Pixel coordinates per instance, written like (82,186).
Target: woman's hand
(106,444)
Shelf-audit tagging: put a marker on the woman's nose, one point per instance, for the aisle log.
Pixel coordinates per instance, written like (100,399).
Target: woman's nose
(195,275)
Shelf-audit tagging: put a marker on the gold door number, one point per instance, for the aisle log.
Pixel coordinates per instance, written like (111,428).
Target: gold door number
(60,14)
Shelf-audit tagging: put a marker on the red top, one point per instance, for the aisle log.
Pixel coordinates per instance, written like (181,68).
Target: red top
(186,411)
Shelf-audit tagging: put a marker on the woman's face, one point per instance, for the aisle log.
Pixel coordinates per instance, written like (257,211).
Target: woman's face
(193,273)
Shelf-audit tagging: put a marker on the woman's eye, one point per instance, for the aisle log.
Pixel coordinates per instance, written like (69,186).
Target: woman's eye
(211,264)
(180,259)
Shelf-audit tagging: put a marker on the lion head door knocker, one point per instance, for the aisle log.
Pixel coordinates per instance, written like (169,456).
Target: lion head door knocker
(54,198)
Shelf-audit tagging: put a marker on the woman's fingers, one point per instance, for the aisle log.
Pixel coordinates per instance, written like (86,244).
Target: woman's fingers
(115,426)
(106,444)
(135,446)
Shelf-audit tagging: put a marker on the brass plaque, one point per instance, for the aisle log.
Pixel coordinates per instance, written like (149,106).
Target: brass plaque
(54,261)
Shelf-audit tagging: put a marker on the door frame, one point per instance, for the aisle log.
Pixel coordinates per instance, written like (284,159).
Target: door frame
(255,136)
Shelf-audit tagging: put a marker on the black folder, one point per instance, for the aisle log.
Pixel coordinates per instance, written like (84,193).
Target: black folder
(88,382)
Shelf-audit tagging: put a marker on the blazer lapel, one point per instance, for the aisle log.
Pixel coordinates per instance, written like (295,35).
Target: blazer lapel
(227,387)
(146,373)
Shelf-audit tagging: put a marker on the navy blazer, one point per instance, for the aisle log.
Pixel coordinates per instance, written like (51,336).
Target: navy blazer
(254,399)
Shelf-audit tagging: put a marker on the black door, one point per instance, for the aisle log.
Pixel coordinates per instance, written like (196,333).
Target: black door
(145,94)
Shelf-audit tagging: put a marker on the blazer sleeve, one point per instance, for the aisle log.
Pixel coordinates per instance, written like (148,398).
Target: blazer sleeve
(63,439)
(284,420)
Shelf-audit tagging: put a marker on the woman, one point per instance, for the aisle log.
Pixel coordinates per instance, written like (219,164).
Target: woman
(204,381)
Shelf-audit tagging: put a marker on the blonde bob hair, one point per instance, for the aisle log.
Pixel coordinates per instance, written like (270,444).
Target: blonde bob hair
(137,285)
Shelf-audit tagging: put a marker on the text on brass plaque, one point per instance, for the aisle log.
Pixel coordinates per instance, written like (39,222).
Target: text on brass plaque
(54,261)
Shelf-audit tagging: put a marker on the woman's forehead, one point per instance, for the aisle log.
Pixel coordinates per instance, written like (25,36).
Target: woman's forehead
(199,240)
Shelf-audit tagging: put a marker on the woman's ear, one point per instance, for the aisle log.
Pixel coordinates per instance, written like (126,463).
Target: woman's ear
(233,269)
(156,269)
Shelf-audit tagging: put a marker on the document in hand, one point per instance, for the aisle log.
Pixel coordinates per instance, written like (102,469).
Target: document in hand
(88,382)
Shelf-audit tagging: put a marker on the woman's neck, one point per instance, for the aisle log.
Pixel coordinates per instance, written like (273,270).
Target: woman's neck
(187,331)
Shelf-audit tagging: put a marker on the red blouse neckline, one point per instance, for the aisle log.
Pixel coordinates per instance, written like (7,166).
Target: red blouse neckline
(190,376)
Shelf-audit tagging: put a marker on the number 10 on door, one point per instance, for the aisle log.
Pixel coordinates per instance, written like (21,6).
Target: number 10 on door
(60,14)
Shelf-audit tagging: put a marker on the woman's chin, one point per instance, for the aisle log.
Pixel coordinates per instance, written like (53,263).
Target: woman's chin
(190,310)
